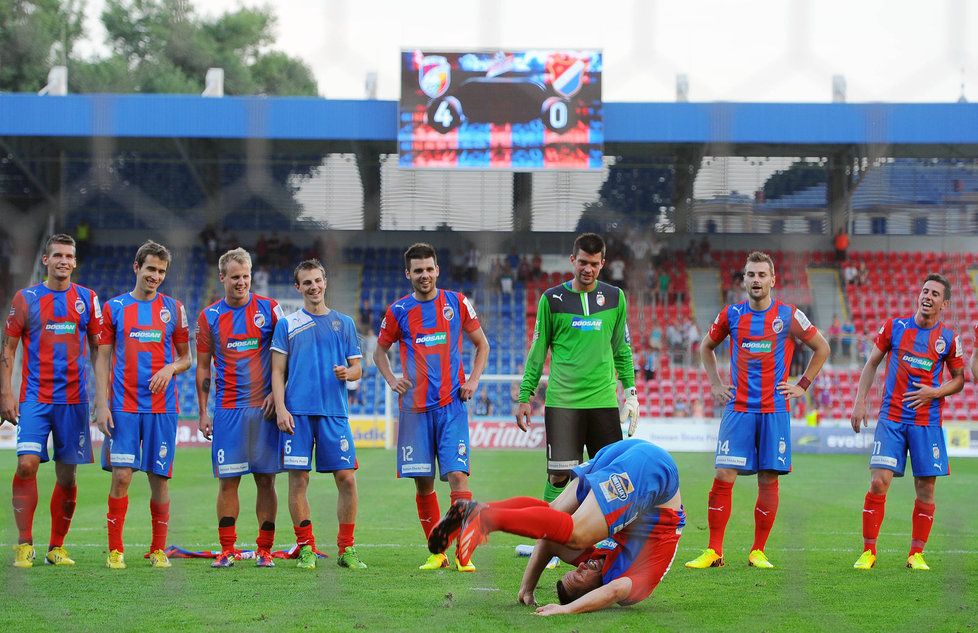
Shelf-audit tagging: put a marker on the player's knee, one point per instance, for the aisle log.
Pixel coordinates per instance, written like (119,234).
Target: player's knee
(879,483)
(27,468)
(229,484)
(264,481)
(121,478)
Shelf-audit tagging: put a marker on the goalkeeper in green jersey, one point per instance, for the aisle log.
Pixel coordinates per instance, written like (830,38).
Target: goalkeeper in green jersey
(583,322)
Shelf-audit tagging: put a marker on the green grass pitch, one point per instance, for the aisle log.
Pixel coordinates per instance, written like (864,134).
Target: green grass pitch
(813,588)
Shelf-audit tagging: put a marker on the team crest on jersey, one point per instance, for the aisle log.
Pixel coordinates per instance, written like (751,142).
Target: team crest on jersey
(599,299)
(79,306)
(936,451)
(344,445)
(777,325)
(259,319)
(940,345)
(163,450)
(448,313)
(337,326)
(165,315)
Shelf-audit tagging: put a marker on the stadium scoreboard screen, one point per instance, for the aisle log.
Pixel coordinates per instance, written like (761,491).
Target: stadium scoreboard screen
(501,110)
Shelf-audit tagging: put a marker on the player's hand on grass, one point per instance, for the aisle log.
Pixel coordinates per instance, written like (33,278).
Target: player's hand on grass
(103,420)
(206,425)
(550,609)
(402,386)
(920,396)
(467,392)
(285,422)
(268,407)
(161,379)
(859,418)
(526,598)
(790,390)
(9,409)
(722,394)
(629,410)
(523,416)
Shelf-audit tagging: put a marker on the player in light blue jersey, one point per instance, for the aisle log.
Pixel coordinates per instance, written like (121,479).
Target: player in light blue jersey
(314,352)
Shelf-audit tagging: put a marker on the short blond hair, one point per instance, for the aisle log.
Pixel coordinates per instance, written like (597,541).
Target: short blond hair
(757,257)
(239,255)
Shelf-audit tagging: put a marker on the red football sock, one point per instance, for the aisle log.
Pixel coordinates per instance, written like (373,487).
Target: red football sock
(344,538)
(266,538)
(227,535)
(718,512)
(515,503)
(537,522)
(24,500)
(461,495)
(764,512)
(116,519)
(62,509)
(160,515)
(428,511)
(923,521)
(304,536)
(873,510)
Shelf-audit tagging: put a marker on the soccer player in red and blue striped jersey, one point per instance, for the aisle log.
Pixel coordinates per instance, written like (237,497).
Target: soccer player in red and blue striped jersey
(145,338)
(428,324)
(919,348)
(755,431)
(57,321)
(236,332)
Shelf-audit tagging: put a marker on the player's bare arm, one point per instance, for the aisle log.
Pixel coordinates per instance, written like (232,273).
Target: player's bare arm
(282,416)
(974,364)
(349,373)
(103,417)
(722,394)
(478,338)
(9,406)
(604,596)
(161,379)
(820,354)
(923,394)
(859,415)
(400,385)
(523,416)
(202,380)
(543,551)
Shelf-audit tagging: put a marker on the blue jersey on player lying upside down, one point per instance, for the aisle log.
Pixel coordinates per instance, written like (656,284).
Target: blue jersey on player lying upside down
(630,479)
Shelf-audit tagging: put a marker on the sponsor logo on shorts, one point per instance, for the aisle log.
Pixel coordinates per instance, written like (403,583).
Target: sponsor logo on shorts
(758,347)
(163,450)
(122,458)
(29,446)
(936,451)
(917,362)
(242,344)
(730,460)
(230,469)
(782,446)
(344,445)
(146,336)
(618,486)
(416,468)
(65,327)
(295,460)
(585,324)
(431,340)
(882,460)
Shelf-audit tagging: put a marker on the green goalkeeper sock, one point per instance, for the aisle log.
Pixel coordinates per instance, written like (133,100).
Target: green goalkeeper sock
(551,492)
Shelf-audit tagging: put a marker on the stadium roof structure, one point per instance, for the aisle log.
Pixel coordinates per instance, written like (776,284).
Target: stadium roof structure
(734,129)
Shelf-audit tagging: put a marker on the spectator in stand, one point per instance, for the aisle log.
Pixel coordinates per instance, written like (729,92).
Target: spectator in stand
(835,334)
(616,272)
(850,273)
(865,344)
(848,334)
(697,410)
(483,406)
(260,281)
(369,343)
(664,280)
(536,266)
(655,338)
(655,251)
(495,272)
(682,408)
(692,338)
(506,279)
(472,265)
(353,395)
(458,265)
(651,283)
(704,252)
(274,244)
(208,237)
(523,271)
(83,236)
(261,248)
(366,316)
(650,363)
(513,260)
(841,243)
(863,278)
(676,342)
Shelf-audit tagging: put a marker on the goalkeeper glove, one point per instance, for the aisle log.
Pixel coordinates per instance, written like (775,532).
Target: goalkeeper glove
(629,410)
